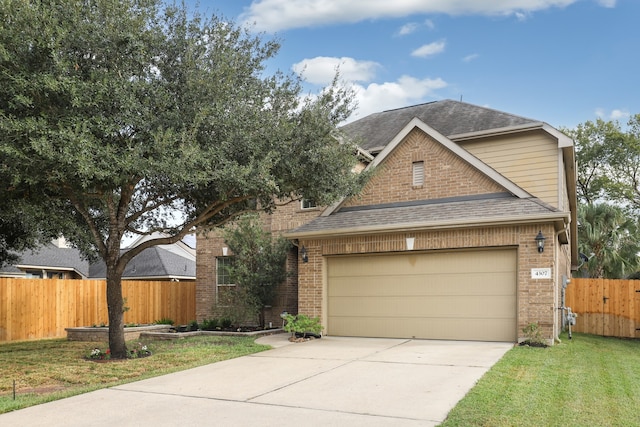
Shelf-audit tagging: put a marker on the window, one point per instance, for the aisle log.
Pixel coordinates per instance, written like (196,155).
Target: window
(224,283)
(418,174)
(308,204)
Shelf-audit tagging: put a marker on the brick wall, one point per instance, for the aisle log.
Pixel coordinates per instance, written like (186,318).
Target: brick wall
(209,246)
(537,300)
(446,175)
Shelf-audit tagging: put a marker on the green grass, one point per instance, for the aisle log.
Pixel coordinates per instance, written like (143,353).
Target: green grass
(48,370)
(587,381)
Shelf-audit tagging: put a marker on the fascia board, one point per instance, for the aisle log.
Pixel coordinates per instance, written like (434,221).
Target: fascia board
(563,140)
(559,219)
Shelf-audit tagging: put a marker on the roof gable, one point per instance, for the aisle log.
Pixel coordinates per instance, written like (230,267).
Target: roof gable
(450,170)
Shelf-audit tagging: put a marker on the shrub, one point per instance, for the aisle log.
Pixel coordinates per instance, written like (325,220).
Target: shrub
(533,335)
(164,321)
(209,324)
(303,325)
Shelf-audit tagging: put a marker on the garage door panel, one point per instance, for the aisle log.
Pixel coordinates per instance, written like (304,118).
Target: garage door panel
(375,265)
(445,295)
(438,284)
(445,329)
(425,306)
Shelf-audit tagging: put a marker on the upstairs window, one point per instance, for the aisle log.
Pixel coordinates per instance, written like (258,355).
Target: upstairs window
(418,174)
(308,204)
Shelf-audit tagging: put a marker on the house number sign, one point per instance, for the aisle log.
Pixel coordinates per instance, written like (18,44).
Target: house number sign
(541,273)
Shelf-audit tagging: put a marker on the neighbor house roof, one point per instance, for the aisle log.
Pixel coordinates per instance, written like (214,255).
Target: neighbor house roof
(151,263)
(50,257)
(157,262)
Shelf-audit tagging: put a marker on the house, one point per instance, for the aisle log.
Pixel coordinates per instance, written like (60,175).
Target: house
(466,231)
(57,260)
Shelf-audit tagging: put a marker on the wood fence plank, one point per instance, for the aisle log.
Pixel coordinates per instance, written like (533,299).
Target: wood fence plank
(43,308)
(605,306)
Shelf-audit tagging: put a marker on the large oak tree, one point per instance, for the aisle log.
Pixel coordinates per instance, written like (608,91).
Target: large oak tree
(128,116)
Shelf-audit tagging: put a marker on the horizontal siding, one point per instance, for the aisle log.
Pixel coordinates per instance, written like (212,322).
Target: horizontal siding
(529,160)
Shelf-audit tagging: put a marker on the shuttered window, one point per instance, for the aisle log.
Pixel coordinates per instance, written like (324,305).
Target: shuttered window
(418,174)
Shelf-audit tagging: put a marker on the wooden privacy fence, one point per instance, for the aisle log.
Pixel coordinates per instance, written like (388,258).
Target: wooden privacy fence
(43,308)
(605,307)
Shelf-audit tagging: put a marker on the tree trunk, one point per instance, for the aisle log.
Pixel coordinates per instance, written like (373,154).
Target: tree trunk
(115,304)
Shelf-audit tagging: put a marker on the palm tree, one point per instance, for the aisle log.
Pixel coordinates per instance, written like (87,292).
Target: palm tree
(609,235)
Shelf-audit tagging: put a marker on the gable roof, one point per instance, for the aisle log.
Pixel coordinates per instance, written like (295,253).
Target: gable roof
(50,257)
(446,122)
(153,262)
(448,117)
(469,211)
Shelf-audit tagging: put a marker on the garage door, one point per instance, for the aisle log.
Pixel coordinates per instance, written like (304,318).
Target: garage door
(464,295)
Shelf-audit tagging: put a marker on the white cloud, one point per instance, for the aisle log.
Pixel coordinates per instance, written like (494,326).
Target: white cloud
(412,27)
(370,97)
(278,15)
(321,70)
(409,28)
(607,3)
(615,114)
(405,91)
(471,57)
(429,49)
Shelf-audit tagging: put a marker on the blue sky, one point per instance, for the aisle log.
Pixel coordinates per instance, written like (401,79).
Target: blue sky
(563,62)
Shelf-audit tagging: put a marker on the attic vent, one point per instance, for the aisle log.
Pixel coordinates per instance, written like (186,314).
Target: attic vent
(418,174)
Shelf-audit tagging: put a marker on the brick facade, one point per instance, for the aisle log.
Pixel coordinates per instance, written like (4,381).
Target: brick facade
(210,246)
(537,299)
(446,175)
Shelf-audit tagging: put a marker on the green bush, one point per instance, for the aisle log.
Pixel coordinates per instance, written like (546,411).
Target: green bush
(164,321)
(209,324)
(302,324)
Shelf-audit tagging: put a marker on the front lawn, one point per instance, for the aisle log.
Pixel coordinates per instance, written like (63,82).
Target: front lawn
(47,370)
(587,381)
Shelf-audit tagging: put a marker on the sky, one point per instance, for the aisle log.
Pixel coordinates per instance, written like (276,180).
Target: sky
(563,62)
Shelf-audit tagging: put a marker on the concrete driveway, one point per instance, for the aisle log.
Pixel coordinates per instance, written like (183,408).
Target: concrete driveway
(333,381)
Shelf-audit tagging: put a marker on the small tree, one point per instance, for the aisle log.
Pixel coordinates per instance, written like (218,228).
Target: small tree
(259,263)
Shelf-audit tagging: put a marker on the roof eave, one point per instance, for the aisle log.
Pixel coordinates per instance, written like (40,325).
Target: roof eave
(563,140)
(560,219)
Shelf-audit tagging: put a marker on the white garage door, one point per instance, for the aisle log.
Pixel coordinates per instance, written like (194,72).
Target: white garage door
(460,295)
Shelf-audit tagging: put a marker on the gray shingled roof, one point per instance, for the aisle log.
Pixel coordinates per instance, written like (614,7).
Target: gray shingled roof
(448,117)
(485,208)
(52,257)
(152,262)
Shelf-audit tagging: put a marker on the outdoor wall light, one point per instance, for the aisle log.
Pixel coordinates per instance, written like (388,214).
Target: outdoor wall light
(540,241)
(304,255)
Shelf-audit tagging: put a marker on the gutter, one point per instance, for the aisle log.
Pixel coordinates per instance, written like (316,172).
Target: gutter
(559,220)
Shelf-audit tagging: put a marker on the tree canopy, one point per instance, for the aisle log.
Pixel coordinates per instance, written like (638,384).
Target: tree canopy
(608,236)
(608,158)
(608,187)
(135,117)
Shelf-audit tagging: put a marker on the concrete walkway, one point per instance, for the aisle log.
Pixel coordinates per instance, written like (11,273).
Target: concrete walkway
(327,382)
